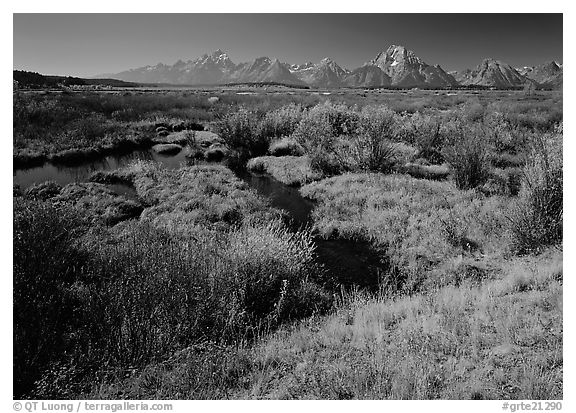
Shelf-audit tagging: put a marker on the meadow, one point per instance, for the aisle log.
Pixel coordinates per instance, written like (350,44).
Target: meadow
(190,285)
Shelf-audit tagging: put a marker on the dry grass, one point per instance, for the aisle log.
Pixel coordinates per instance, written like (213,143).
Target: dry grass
(285,146)
(500,341)
(424,226)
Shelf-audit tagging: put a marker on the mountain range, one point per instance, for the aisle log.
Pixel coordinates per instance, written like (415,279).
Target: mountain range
(395,67)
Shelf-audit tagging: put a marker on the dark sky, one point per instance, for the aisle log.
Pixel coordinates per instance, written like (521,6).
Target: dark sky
(90,44)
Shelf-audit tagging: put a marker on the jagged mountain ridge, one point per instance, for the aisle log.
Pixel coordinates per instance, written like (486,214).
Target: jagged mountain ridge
(263,69)
(547,74)
(405,69)
(394,67)
(326,73)
(493,73)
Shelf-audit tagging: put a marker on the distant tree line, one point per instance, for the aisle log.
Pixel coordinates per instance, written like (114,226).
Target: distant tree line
(34,80)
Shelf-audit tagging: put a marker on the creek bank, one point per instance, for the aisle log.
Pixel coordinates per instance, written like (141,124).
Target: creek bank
(290,170)
(106,204)
(178,133)
(346,262)
(167,148)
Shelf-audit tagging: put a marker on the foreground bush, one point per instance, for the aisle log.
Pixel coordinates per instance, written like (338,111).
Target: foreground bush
(281,122)
(467,153)
(172,290)
(537,219)
(239,130)
(46,267)
(425,132)
(372,148)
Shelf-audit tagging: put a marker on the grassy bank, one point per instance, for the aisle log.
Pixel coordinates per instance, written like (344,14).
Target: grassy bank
(290,170)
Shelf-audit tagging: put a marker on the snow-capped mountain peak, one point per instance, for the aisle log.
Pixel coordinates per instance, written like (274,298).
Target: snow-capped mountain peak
(406,69)
(395,66)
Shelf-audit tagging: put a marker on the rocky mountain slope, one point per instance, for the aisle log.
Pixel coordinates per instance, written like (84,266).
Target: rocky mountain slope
(367,76)
(547,75)
(492,73)
(263,69)
(395,67)
(326,73)
(405,69)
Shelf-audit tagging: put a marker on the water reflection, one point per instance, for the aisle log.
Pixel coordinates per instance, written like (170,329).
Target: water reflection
(65,174)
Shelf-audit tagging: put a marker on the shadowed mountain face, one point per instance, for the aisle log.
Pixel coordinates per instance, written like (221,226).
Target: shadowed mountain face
(368,76)
(397,66)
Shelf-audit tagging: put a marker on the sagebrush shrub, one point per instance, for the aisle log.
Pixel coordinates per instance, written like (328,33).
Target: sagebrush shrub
(370,153)
(240,132)
(468,153)
(537,218)
(281,122)
(324,122)
(372,148)
(424,131)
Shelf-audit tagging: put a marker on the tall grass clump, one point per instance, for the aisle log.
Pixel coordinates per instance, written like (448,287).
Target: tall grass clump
(537,217)
(271,273)
(290,170)
(47,260)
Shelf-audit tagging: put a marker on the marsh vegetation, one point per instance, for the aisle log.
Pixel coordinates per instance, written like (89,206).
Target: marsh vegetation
(192,281)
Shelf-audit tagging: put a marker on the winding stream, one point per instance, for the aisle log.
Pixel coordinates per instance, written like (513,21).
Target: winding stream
(347,262)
